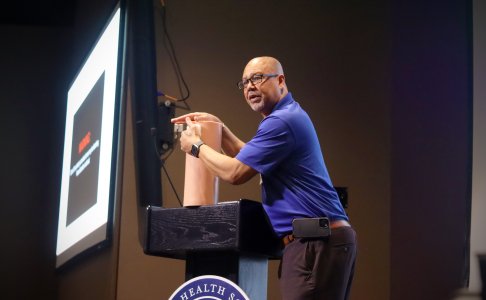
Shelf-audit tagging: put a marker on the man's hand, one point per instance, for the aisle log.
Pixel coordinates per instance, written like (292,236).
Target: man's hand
(230,143)
(225,167)
(196,116)
(190,136)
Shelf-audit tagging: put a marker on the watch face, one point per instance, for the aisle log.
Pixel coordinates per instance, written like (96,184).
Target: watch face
(194,150)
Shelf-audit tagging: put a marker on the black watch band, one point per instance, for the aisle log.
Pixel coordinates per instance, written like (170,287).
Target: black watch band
(195,148)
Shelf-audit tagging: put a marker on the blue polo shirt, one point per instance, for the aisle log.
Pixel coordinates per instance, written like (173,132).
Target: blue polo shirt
(295,180)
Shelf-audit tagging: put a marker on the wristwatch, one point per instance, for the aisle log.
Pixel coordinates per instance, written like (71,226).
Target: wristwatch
(195,148)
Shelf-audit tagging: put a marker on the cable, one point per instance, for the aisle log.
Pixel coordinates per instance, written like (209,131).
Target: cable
(165,156)
(183,90)
(171,184)
(162,160)
(181,82)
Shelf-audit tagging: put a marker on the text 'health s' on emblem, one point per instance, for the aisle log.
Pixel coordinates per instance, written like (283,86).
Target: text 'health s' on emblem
(208,287)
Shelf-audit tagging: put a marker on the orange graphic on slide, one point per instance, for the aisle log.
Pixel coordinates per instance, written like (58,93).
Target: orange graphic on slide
(84,142)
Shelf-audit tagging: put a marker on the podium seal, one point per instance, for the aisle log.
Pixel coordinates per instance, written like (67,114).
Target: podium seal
(209,287)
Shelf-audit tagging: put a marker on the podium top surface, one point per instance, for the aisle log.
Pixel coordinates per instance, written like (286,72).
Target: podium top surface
(240,226)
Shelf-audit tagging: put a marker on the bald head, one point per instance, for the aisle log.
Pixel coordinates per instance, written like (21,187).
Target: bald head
(266,64)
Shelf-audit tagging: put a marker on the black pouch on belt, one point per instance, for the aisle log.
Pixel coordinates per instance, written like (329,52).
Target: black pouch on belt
(311,227)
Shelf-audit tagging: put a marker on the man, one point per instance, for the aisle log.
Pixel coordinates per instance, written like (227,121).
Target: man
(295,184)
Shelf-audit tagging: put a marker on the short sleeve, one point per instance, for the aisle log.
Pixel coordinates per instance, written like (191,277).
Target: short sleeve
(271,145)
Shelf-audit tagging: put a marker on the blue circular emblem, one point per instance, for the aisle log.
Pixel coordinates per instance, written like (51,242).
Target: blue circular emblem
(209,287)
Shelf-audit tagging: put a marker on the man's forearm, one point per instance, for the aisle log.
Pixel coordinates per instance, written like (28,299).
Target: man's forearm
(226,168)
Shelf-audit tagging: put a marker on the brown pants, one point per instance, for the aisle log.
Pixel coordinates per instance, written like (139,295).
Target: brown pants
(319,268)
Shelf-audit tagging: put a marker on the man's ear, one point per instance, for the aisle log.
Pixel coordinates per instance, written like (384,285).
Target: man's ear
(281,83)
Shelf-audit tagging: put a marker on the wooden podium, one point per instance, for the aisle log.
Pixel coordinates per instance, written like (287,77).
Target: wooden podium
(230,239)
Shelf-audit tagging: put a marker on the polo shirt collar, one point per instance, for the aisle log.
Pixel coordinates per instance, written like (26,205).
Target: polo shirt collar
(284,101)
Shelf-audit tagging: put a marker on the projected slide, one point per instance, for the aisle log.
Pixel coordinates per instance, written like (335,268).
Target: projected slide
(85,154)
(91,137)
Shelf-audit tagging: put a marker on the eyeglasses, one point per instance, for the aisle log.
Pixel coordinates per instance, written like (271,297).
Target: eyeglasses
(255,79)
